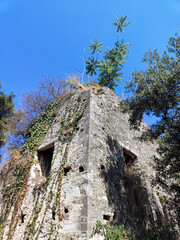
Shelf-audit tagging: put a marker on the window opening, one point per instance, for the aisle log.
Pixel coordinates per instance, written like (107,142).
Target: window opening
(129,157)
(66,170)
(53,214)
(45,159)
(107,217)
(22,217)
(81,169)
(66,210)
(102,167)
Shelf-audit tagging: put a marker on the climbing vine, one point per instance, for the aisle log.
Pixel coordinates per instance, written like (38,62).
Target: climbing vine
(39,128)
(13,194)
(15,191)
(68,127)
(111,232)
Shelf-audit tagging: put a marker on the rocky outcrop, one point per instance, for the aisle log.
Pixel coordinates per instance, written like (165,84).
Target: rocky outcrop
(88,167)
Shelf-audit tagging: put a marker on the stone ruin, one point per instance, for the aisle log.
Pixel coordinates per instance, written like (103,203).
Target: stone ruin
(88,171)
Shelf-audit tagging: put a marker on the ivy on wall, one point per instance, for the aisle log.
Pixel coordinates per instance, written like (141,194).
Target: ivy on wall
(111,232)
(15,191)
(74,111)
(39,128)
(13,195)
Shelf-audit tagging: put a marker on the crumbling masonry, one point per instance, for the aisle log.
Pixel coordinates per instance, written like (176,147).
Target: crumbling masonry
(89,167)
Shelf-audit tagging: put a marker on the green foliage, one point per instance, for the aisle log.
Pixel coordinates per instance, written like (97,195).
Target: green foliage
(95,46)
(111,232)
(165,232)
(31,229)
(6,110)
(110,65)
(156,91)
(68,127)
(12,195)
(120,23)
(71,118)
(33,104)
(39,128)
(162,199)
(11,190)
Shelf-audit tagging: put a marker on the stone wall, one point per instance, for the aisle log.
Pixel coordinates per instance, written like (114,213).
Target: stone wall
(97,170)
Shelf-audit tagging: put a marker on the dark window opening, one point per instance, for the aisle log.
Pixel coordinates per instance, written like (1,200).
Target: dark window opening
(66,210)
(81,169)
(102,167)
(53,215)
(45,159)
(66,170)
(106,217)
(22,217)
(129,157)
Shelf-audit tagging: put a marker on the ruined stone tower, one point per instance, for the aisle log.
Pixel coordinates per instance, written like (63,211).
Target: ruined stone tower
(88,167)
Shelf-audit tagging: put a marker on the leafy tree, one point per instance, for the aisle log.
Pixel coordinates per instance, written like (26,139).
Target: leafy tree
(156,91)
(109,67)
(6,110)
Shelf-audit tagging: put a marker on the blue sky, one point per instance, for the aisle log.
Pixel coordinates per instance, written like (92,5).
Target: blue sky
(47,38)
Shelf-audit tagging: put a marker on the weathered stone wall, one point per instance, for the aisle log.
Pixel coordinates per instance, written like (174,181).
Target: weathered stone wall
(119,190)
(98,172)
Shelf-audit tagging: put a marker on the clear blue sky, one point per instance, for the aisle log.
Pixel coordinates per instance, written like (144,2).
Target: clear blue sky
(46,38)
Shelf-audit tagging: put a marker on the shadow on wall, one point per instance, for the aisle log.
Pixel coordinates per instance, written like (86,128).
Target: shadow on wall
(126,193)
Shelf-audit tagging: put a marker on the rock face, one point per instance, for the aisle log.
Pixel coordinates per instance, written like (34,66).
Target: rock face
(88,167)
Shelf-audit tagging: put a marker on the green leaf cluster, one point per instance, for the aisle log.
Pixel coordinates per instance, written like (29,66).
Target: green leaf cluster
(111,232)
(156,92)
(6,110)
(39,128)
(109,67)
(72,115)
(10,194)
(68,127)
(165,232)
(11,190)
(121,23)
